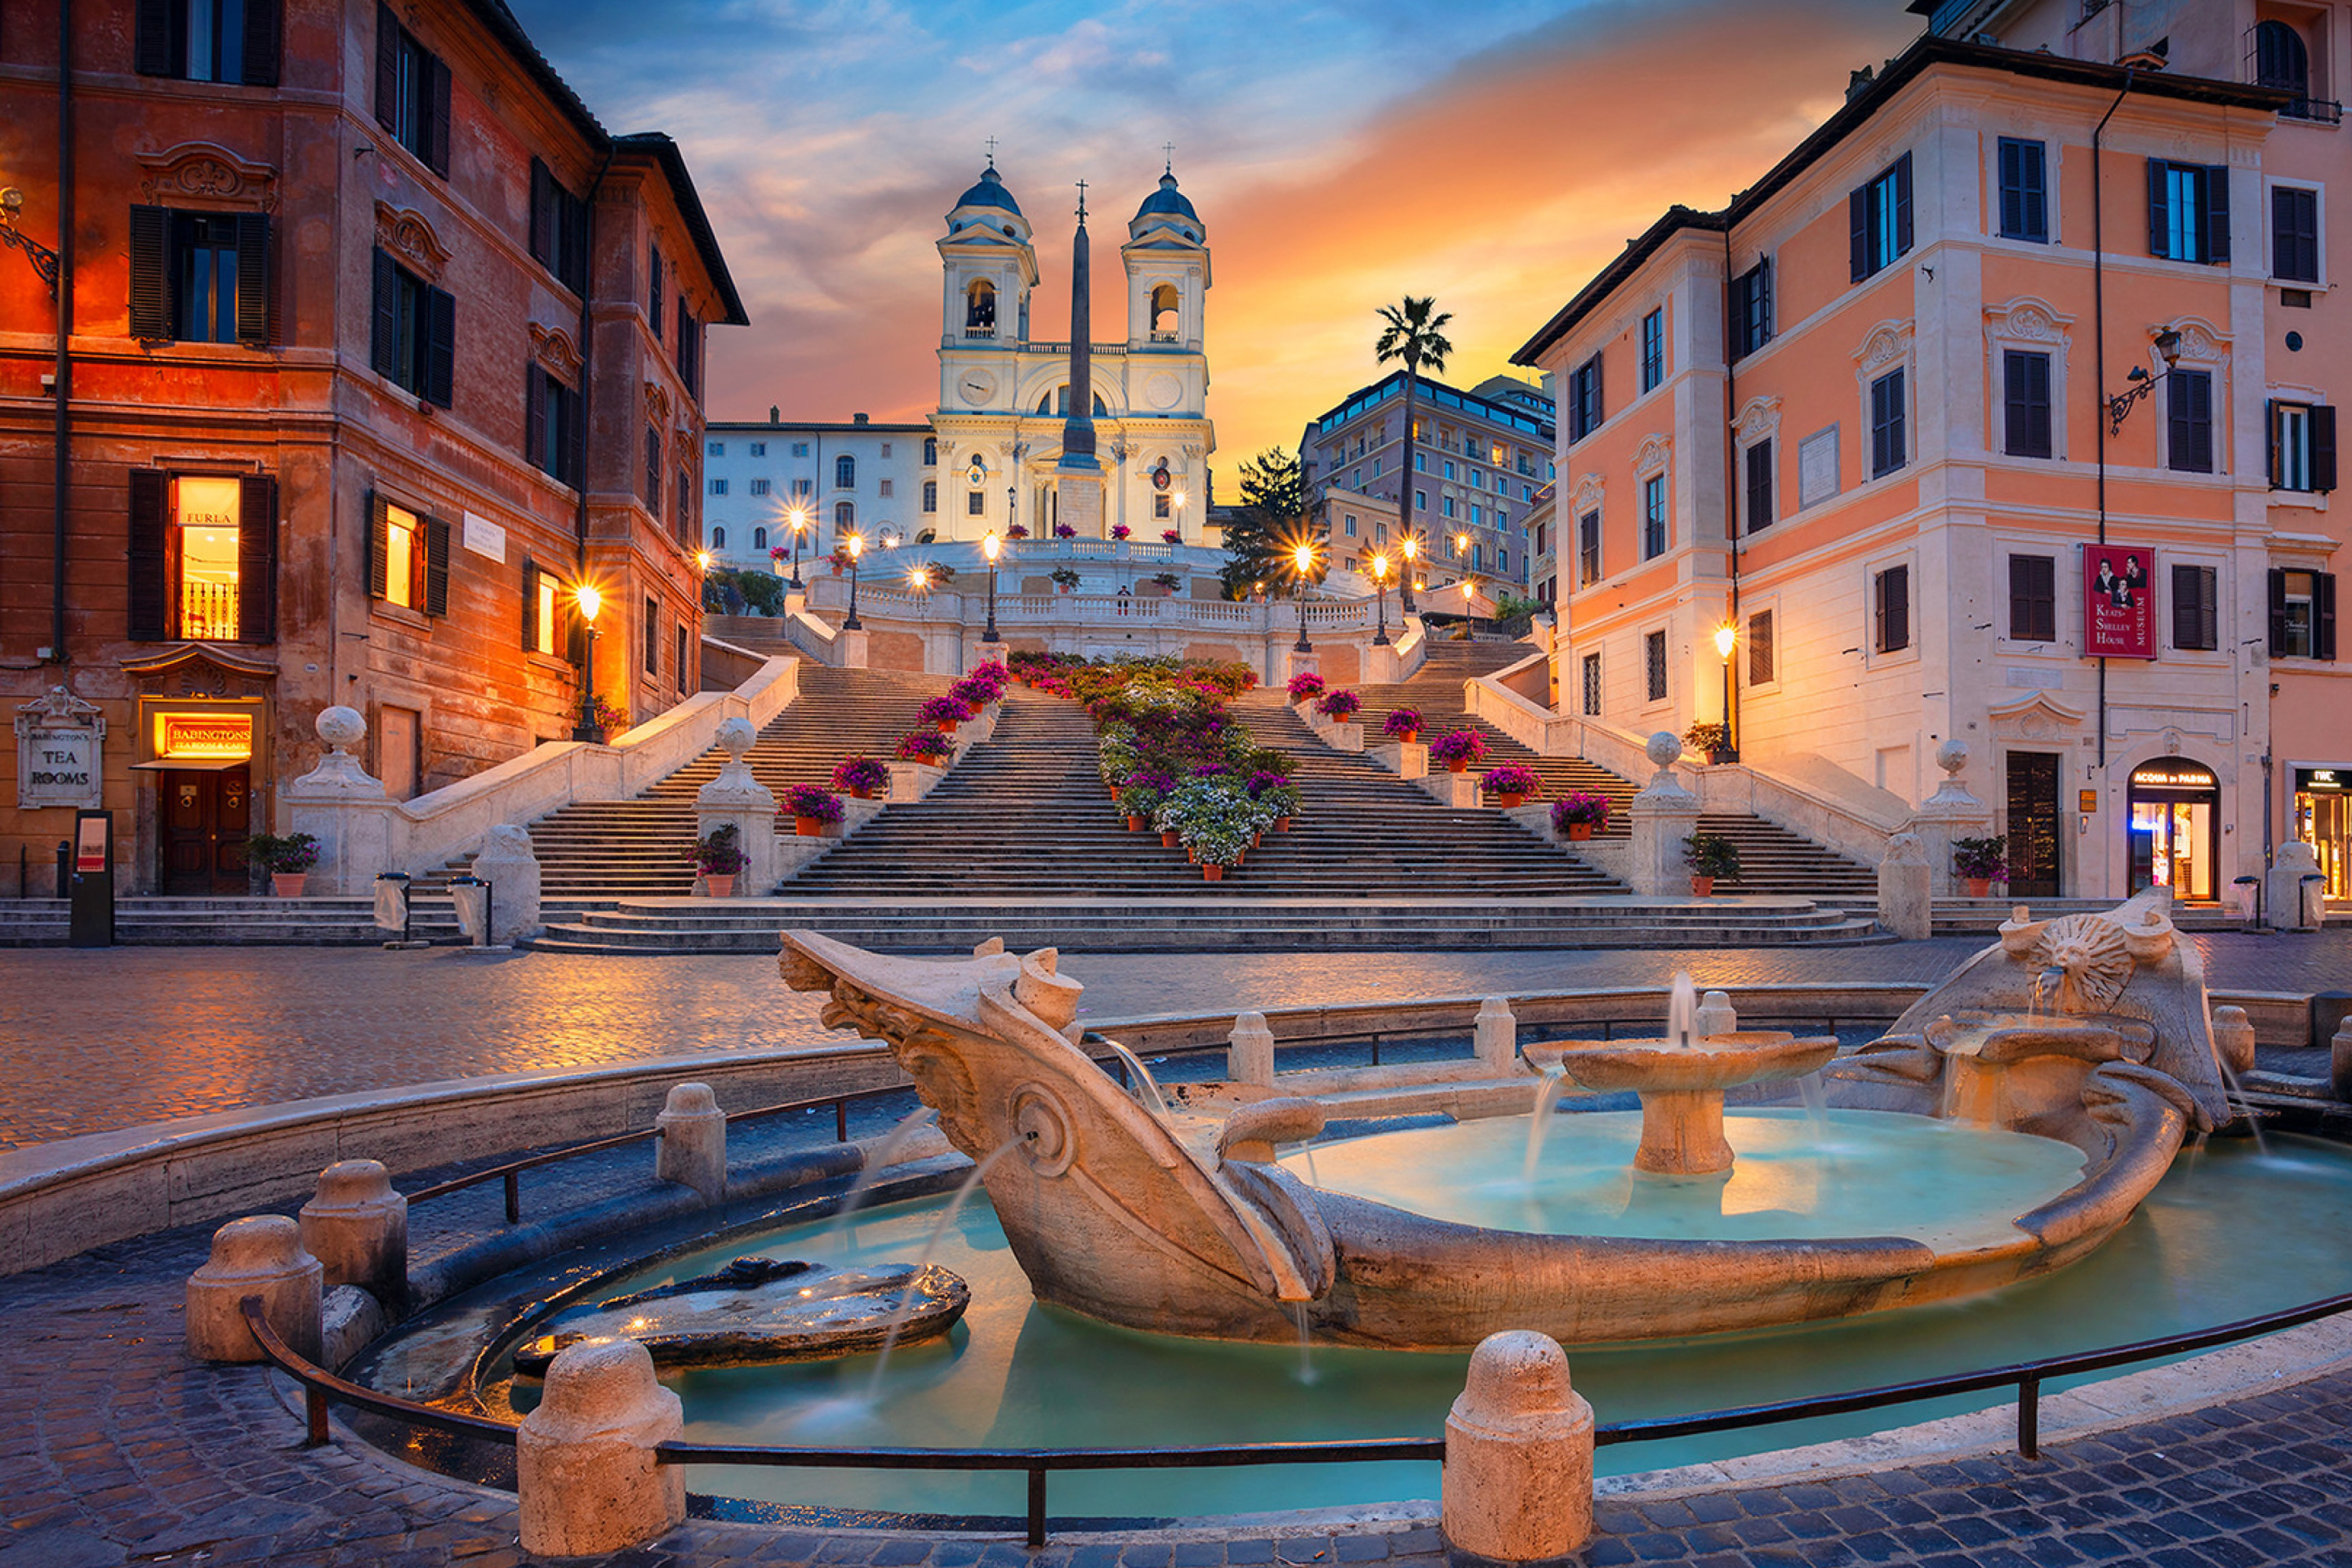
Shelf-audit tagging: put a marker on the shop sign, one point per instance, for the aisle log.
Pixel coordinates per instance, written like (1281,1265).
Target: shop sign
(2190,777)
(2119,602)
(2322,781)
(2087,801)
(60,753)
(202,737)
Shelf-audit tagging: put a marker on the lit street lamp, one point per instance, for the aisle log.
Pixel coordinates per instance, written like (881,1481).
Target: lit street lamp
(991,546)
(1302,562)
(798,518)
(1727,638)
(1380,596)
(589,601)
(856,545)
(1412,548)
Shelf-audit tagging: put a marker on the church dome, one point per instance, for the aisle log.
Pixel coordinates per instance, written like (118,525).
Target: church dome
(1166,199)
(991,192)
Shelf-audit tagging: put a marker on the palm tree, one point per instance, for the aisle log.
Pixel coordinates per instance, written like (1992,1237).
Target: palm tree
(1415,335)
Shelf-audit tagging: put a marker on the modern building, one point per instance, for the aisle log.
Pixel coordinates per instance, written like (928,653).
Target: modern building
(380,347)
(1478,458)
(2000,410)
(882,481)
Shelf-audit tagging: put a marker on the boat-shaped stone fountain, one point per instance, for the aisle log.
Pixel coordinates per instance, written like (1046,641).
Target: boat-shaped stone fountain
(2086,1038)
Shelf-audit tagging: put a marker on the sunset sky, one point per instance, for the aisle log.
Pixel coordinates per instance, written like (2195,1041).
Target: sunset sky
(1494,154)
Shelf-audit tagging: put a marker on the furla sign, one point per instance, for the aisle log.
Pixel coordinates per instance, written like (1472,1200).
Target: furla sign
(60,753)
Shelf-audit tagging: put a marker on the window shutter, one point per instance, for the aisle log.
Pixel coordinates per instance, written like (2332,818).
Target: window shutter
(2217,214)
(534,419)
(542,217)
(2278,612)
(1763,301)
(437,566)
(1900,594)
(151,297)
(2323,447)
(654,291)
(1903,204)
(257,559)
(2209,597)
(437,156)
(2274,440)
(575,440)
(2011,176)
(653,469)
(441,347)
(2184,607)
(575,241)
(379,545)
(261,46)
(2160,209)
(387,67)
(530,607)
(1857,218)
(152,54)
(256,325)
(150,506)
(2322,614)
(383,351)
(1760,648)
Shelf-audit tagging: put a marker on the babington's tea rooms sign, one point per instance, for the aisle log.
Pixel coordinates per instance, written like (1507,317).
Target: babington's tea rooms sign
(60,753)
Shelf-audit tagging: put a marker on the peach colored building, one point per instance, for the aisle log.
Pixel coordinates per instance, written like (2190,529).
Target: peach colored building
(1861,416)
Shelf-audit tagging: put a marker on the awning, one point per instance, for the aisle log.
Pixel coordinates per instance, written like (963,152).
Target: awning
(193,764)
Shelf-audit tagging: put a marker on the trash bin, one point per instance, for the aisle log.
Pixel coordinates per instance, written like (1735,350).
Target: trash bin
(391,903)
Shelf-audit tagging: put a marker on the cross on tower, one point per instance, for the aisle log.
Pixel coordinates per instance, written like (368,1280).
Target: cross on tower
(992,152)
(1168,148)
(1082,201)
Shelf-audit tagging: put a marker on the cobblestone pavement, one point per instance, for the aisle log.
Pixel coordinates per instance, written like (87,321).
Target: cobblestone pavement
(95,1040)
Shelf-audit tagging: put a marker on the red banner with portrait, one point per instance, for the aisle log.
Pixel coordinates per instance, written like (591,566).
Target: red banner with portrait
(2119,602)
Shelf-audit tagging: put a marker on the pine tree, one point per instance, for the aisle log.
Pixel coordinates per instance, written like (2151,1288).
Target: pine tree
(1271,520)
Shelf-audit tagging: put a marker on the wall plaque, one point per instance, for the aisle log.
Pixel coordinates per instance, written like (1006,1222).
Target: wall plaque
(60,753)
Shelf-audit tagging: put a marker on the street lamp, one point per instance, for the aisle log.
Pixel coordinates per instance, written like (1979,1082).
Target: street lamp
(989,546)
(856,545)
(1411,549)
(1380,597)
(589,601)
(2139,383)
(1727,638)
(1302,562)
(44,259)
(798,518)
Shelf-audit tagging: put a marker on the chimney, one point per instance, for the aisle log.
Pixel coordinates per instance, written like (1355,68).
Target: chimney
(857,419)
(1858,83)
(775,415)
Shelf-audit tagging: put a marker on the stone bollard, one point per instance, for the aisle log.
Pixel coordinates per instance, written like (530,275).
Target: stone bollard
(2339,1061)
(1518,1456)
(1496,1035)
(1907,901)
(1249,1056)
(693,1140)
(585,1468)
(508,865)
(260,1256)
(1714,1015)
(357,1228)
(2233,1039)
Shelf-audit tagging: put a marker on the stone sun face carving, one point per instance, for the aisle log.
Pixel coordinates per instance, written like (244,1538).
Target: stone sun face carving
(2091,950)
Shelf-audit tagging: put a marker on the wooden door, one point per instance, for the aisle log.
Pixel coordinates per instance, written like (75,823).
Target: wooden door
(2036,824)
(397,730)
(205,816)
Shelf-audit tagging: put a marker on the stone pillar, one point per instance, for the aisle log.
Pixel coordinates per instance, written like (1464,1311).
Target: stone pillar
(852,648)
(584,1468)
(1292,662)
(1949,813)
(1249,1058)
(1496,1035)
(357,1228)
(1906,903)
(913,781)
(1407,759)
(1518,1456)
(260,1256)
(738,800)
(1714,1015)
(1447,787)
(2233,1039)
(2339,1061)
(508,864)
(692,1149)
(1661,816)
(2284,900)
(359,829)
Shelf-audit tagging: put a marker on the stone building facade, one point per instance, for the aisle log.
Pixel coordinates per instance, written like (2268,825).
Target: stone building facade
(881,481)
(381,347)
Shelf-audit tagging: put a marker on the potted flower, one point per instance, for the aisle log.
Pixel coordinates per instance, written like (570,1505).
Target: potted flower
(1120,531)
(1458,750)
(1981,862)
(1063,531)
(1276,794)
(1305,685)
(1142,796)
(944,711)
(1580,815)
(1065,578)
(1172,535)
(1403,725)
(288,860)
(1709,856)
(812,809)
(859,776)
(1169,582)
(1513,782)
(1712,738)
(718,856)
(1340,706)
(839,558)
(925,746)
(976,693)
(1018,531)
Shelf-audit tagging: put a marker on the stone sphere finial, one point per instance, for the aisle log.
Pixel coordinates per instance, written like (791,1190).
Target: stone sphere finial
(736,737)
(342,728)
(1952,756)
(1664,749)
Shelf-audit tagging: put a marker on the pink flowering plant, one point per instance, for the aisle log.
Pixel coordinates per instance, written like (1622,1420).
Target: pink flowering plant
(1174,536)
(1120,531)
(1340,706)
(976,693)
(814,802)
(1400,723)
(943,711)
(1580,807)
(861,773)
(1510,779)
(925,746)
(1461,745)
(1303,685)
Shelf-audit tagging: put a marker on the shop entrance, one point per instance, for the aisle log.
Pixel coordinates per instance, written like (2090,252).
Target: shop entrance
(2323,819)
(2033,823)
(2175,827)
(205,816)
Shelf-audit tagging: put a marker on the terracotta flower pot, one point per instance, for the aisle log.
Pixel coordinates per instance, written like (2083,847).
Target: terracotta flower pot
(720,887)
(1411,737)
(1193,856)
(1113,794)
(1979,886)
(1135,825)
(1702,887)
(947,726)
(1579,830)
(1511,798)
(1213,873)
(287,884)
(1167,838)
(1282,825)
(807,826)
(1457,764)
(861,795)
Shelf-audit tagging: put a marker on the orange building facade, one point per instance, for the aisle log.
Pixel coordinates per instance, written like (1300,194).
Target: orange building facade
(380,347)
(1862,418)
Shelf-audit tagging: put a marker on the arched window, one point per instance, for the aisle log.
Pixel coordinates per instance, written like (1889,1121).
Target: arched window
(2281,59)
(758,538)
(844,473)
(719,539)
(931,495)
(930,451)
(979,309)
(1163,314)
(845,517)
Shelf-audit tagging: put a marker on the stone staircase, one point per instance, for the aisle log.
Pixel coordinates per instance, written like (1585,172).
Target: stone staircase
(251,921)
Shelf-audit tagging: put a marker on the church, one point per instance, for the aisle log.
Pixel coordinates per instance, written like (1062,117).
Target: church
(1015,447)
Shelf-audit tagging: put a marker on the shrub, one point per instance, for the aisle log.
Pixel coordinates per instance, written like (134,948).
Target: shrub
(719,852)
(1985,860)
(1064,576)
(286,856)
(1143,793)
(1462,745)
(1707,735)
(1510,779)
(943,711)
(1305,684)
(1711,855)
(861,773)
(1580,807)
(811,801)
(925,746)
(1400,723)
(1340,706)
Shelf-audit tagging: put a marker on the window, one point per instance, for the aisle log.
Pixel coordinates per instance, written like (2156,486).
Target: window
(209,41)
(2303,447)
(540,597)
(1760,485)
(759,537)
(1420,501)
(1477,479)
(799,448)
(1584,399)
(682,650)
(1888,448)
(2295,234)
(930,452)
(975,502)
(201,277)
(719,487)
(844,516)
(1502,559)
(1751,309)
(931,495)
(1653,349)
(555,435)
(2196,608)
(652,642)
(715,448)
(719,538)
(2282,60)
(883,488)
(2025,402)
(681,517)
(760,487)
(886,452)
(844,473)
(201,557)
(414,342)
(1421,462)
(204,278)
(204,527)
(2189,211)
(1350,522)
(1479,558)
(1878,220)
(654,293)
(558,229)
(1654,517)
(412,92)
(1477,515)
(2024,198)
(2303,613)
(759,448)
(653,469)
(2188,421)
(690,348)
(1890,610)
(1654,661)
(2033,598)
(1587,549)
(1162,507)
(1445,504)
(1592,686)
(1760,648)
(408,557)
(979,309)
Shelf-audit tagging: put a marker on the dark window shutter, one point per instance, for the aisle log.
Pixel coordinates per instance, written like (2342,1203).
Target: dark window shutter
(256,285)
(257,559)
(437,566)
(384,352)
(654,291)
(1857,218)
(387,67)
(437,145)
(2184,607)
(2010,173)
(2274,440)
(2278,612)
(2025,387)
(575,440)
(153,52)
(530,607)
(2190,410)
(2216,213)
(151,287)
(1760,648)
(534,419)
(379,545)
(1903,206)
(543,214)
(575,242)
(1763,301)
(150,507)
(2323,447)
(653,469)
(261,46)
(441,347)
(2159,208)
(2322,614)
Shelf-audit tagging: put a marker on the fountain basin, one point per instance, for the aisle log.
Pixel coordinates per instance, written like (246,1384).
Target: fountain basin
(1682,1084)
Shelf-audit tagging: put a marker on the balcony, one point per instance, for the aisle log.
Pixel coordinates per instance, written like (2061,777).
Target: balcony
(2316,110)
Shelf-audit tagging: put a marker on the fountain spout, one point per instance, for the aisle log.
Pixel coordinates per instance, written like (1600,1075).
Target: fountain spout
(2049,982)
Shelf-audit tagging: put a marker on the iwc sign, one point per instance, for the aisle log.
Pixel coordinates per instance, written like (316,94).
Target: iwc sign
(60,752)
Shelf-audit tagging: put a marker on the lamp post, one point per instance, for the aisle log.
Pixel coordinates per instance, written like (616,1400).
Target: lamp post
(798,518)
(1380,598)
(2139,383)
(989,546)
(856,545)
(589,600)
(1302,562)
(1411,551)
(1727,638)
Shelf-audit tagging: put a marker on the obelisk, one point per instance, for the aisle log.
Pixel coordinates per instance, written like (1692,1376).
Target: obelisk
(1078,477)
